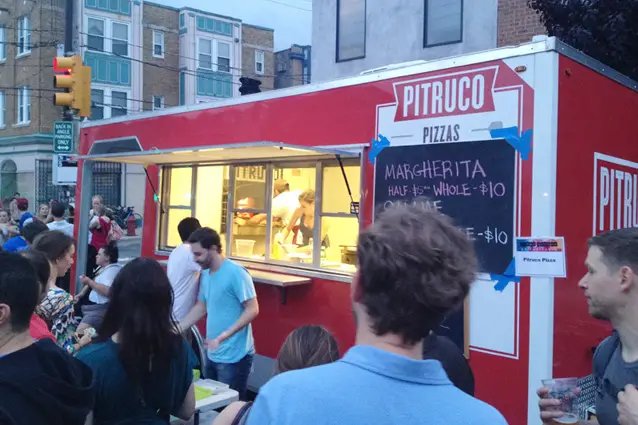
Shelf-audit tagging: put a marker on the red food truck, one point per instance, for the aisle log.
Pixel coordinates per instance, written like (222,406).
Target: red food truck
(514,142)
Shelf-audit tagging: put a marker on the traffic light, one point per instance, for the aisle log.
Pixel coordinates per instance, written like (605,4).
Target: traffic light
(76,79)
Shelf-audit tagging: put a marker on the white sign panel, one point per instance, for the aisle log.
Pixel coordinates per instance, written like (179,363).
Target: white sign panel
(65,170)
(540,257)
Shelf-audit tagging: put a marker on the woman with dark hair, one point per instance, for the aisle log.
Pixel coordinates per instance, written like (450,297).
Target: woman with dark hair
(305,347)
(142,367)
(57,306)
(38,327)
(93,311)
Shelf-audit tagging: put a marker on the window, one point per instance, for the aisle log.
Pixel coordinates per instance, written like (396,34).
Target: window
(3,43)
(107,36)
(259,62)
(158,44)
(208,203)
(205,53)
(24,36)
(119,103)
(97,104)
(108,103)
(351,29)
(119,39)
(443,22)
(223,57)
(294,226)
(210,48)
(2,110)
(158,102)
(95,37)
(24,106)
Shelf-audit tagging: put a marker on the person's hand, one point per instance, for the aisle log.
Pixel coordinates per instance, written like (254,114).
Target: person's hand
(84,280)
(628,406)
(549,406)
(85,340)
(213,344)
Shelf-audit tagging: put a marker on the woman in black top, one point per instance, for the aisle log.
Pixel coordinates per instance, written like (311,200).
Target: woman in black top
(443,349)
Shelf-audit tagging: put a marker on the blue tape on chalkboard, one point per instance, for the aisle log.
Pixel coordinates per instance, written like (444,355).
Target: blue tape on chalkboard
(502,280)
(522,143)
(377,146)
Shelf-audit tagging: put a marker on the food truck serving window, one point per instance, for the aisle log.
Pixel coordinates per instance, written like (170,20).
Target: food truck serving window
(288,213)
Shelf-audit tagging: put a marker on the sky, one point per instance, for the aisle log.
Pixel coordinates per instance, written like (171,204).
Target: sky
(291,19)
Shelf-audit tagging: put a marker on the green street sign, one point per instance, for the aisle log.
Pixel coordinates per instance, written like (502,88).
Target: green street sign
(63,137)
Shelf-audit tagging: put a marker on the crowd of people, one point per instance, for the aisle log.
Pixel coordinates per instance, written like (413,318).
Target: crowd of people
(129,359)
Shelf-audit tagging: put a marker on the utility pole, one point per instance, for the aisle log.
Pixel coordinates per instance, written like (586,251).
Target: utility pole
(72,47)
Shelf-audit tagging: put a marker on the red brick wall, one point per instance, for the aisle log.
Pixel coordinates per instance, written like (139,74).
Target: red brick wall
(517,23)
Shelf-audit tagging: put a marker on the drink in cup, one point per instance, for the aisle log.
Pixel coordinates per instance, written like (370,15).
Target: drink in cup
(565,390)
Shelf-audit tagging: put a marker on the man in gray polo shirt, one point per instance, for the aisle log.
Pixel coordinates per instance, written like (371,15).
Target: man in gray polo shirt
(611,289)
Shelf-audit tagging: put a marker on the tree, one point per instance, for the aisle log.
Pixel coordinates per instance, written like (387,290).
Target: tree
(606,30)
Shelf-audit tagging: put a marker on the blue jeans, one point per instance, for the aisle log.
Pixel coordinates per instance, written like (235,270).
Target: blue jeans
(233,374)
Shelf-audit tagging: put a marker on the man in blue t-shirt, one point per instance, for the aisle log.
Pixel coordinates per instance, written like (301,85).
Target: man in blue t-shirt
(24,240)
(227,295)
(413,267)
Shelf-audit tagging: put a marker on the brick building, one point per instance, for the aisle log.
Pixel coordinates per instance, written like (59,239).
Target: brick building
(258,59)
(161,56)
(293,66)
(517,22)
(143,56)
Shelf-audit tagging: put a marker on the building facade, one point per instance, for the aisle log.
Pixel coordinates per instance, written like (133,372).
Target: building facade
(258,58)
(143,56)
(352,36)
(293,66)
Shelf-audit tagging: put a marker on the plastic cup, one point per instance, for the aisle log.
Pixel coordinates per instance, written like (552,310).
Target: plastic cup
(565,390)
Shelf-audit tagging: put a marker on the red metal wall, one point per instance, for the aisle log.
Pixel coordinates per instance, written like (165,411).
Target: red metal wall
(595,114)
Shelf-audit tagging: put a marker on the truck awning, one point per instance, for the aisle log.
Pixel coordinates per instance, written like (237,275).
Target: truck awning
(129,151)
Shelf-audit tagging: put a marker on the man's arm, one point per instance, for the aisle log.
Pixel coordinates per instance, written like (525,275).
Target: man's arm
(197,312)
(251,310)
(98,287)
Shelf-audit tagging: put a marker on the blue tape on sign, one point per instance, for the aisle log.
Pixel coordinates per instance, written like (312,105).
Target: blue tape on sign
(377,146)
(502,280)
(522,143)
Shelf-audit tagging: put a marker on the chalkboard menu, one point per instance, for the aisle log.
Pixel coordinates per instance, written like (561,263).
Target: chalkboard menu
(472,182)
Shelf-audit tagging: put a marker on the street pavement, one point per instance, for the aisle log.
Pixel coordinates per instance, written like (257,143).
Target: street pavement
(130,247)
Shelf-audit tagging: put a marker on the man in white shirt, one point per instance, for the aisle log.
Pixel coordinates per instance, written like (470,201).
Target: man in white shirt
(284,204)
(59,223)
(183,271)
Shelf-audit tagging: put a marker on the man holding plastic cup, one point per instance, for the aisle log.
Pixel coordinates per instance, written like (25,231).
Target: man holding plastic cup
(611,290)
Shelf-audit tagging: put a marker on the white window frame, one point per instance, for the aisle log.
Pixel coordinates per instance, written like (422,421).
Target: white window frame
(161,99)
(108,34)
(3,43)
(104,39)
(215,54)
(259,61)
(3,110)
(212,53)
(230,56)
(108,98)
(161,44)
(23,34)
(128,37)
(23,107)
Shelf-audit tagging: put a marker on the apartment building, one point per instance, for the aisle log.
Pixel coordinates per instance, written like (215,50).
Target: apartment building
(293,66)
(258,58)
(143,56)
(29,34)
(352,36)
